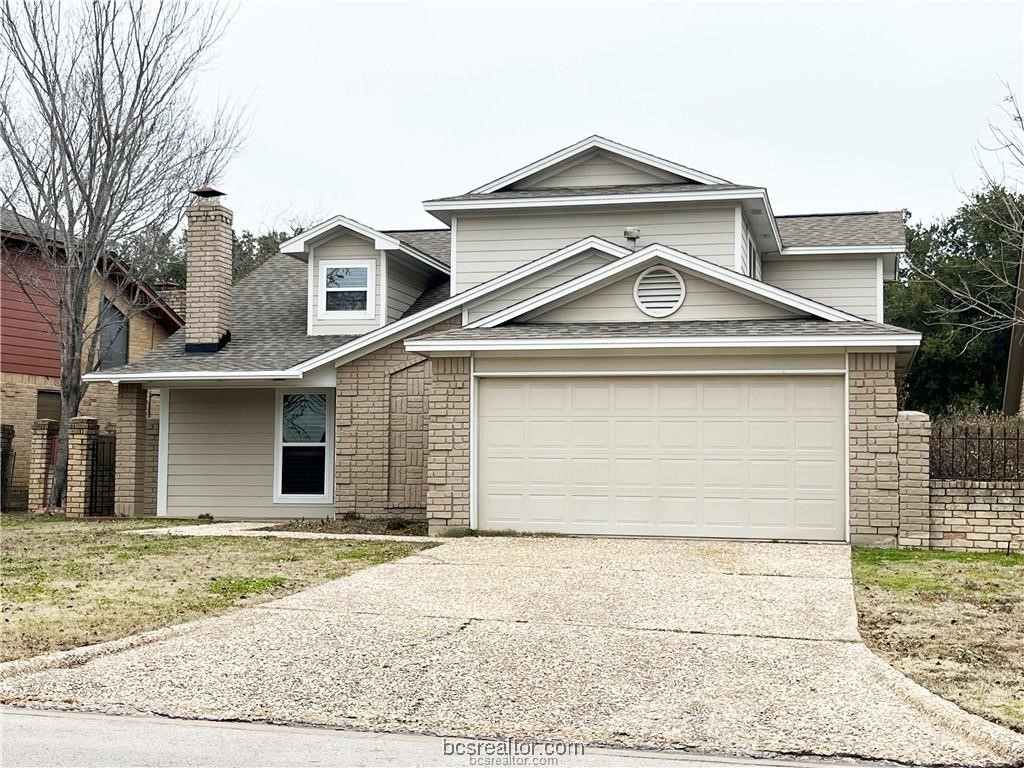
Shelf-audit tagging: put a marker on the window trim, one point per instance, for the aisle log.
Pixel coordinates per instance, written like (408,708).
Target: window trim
(752,259)
(306,498)
(344,314)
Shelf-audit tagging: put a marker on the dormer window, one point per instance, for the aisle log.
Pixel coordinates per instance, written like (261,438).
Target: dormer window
(346,289)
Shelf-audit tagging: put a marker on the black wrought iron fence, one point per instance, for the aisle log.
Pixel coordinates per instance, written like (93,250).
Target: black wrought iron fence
(101,480)
(966,451)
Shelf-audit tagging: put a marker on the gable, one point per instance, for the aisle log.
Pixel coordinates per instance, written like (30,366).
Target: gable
(578,265)
(589,147)
(597,168)
(704,300)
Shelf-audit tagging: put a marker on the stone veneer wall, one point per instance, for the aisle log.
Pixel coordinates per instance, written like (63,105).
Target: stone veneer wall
(369,432)
(874,471)
(448,444)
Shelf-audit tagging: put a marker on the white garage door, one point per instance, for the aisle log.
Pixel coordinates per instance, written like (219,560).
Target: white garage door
(747,457)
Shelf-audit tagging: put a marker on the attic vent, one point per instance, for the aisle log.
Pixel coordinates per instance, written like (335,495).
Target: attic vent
(659,291)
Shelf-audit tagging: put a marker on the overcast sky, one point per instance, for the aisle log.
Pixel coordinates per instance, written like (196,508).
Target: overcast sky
(368,109)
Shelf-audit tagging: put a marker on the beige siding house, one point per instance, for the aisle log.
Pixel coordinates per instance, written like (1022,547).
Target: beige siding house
(600,342)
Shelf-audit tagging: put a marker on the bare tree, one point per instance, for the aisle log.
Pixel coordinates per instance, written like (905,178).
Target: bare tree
(103,141)
(987,295)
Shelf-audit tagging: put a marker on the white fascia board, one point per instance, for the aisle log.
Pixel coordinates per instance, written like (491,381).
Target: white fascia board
(542,201)
(651,253)
(646,342)
(597,142)
(115,378)
(843,250)
(300,243)
(375,339)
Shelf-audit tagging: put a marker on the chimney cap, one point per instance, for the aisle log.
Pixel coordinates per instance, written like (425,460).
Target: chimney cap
(207,191)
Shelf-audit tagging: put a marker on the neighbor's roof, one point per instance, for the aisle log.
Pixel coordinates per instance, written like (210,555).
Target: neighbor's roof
(433,242)
(842,229)
(667,329)
(613,189)
(24,229)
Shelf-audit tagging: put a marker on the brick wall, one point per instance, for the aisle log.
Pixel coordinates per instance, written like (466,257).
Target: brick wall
(379,419)
(977,515)
(208,254)
(952,514)
(874,477)
(448,444)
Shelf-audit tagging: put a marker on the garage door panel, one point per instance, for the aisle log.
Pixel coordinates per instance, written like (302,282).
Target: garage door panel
(543,433)
(771,513)
(768,397)
(757,457)
(550,471)
(504,434)
(718,434)
(678,434)
(678,473)
(770,434)
(770,474)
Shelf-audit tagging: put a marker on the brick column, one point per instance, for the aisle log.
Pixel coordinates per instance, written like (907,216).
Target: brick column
(448,444)
(6,450)
(130,470)
(81,438)
(152,464)
(874,473)
(40,469)
(915,430)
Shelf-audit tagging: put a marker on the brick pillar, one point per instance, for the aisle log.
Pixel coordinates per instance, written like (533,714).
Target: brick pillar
(448,444)
(130,470)
(915,431)
(152,454)
(874,472)
(82,437)
(6,451)
(40,469)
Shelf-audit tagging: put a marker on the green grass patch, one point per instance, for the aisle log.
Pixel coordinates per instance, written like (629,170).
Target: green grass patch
(243,586)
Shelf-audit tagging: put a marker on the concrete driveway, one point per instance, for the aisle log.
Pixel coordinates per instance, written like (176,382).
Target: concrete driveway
(727,647)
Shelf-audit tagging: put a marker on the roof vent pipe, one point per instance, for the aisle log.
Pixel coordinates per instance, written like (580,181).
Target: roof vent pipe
(632,234)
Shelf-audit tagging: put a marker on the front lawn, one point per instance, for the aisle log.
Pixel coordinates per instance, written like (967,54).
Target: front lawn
(952,621)
(67,583)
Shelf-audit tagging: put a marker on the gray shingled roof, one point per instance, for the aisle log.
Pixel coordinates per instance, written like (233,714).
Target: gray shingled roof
(429,298)
(12,223)
(615,189)
(433,242)
(843,229)
(689,328)
(268,328)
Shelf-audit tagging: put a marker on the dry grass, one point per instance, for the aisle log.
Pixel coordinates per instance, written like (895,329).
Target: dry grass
(68,583)
(391,526)
(953,622)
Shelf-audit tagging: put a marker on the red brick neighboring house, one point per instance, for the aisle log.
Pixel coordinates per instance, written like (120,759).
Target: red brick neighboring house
(29,354)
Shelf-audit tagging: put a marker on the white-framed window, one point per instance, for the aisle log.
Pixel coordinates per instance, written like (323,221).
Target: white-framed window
(752,259)
(304,446)
(346,289)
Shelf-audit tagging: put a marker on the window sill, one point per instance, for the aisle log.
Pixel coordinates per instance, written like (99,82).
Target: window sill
(296,499)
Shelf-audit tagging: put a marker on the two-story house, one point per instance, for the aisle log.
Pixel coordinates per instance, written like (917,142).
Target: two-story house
(133,318)
(600,342)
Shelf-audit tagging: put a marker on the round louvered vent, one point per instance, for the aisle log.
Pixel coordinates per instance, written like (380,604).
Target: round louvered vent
(659,291)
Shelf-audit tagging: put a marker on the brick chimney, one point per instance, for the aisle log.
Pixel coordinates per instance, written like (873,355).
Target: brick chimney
(208,269)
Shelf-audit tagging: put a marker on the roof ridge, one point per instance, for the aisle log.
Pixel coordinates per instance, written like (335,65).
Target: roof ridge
(836,213)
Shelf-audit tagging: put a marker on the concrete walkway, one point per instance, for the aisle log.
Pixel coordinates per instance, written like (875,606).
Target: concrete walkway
(719,647)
